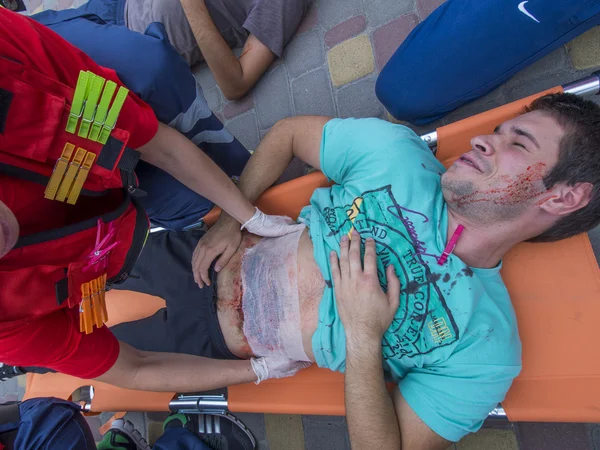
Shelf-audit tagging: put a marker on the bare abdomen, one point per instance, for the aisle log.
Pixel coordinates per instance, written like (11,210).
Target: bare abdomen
(230,294)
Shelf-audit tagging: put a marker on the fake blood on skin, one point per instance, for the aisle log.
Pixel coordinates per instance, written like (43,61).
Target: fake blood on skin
(519,189)
(235,304)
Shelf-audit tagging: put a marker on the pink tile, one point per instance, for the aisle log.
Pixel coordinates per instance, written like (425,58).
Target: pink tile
(426,7)
(387,38)
(232,109)
(65,4)
(32,5)
(345,30)
(310,20)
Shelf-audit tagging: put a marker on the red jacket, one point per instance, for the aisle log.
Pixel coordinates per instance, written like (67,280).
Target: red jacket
(63,249)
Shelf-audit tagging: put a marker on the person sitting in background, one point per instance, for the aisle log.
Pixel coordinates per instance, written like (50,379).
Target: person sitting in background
(207,30)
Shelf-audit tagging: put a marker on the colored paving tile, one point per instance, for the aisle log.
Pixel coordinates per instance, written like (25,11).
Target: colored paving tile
(351,60)
(284,431)
(584,50)
(490,439)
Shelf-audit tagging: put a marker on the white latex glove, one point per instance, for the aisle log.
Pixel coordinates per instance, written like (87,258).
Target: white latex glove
(265,225)
(276,367)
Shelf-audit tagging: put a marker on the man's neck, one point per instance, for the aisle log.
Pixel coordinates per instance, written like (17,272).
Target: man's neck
(480,246)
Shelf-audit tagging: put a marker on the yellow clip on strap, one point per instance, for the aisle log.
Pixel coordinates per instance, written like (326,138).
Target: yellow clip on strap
(102,111)
(113,114)
(82,175)
(59,171)
(78,101)
(69,177)
(95,84)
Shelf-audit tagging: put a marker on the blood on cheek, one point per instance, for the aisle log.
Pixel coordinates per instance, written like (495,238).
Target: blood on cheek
(518,189)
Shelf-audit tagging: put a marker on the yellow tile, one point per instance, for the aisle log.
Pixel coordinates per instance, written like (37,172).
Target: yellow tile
(351,60)
(22,380)
(584,50)
(489,439)
(284,432)
(155,430)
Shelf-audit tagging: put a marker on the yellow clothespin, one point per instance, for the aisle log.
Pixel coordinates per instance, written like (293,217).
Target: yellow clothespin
(59,171)
(82,175)
(67,182)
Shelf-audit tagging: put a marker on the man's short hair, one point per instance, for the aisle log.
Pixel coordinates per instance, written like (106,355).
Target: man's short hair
(578,159)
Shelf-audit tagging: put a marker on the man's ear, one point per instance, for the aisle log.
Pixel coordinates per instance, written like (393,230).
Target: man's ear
(565,199)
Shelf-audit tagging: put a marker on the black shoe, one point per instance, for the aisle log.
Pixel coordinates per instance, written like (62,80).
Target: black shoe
(223,432)
(7,372)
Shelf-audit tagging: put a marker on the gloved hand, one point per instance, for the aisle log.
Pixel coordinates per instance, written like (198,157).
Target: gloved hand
(265,225)
(276,367)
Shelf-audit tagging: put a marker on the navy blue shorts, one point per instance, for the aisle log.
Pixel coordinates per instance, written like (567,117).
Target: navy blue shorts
(467,48)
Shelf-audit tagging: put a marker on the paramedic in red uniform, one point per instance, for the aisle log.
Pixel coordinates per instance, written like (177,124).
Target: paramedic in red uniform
(58,256)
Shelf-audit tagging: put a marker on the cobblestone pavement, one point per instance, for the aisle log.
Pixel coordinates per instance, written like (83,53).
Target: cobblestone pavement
(330,68)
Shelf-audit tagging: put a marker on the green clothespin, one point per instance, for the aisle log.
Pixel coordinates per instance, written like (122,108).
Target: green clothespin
(95,85)
(113,115)
(78,101)
(102,111)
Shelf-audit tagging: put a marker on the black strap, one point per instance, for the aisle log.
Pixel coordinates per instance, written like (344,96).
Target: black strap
(9,413)
(109,153)
(62,289)
(34,177)
(5,101)
(59,233)
(129,160)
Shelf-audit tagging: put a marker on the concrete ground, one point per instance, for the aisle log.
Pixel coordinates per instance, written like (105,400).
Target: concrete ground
(330,68)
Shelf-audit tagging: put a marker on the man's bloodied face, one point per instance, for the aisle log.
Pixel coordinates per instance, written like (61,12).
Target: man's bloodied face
(502,175)
(9,230)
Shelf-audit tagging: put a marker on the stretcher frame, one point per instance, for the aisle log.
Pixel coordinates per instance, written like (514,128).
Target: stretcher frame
(247,398)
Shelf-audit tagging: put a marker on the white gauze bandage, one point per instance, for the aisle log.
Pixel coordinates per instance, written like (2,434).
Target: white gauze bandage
(270,301)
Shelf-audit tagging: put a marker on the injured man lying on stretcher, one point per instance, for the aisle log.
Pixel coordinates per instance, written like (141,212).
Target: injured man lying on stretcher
(453,347)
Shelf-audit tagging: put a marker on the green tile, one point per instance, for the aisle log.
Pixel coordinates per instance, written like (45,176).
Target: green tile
(284,432)
(489,439)
(584,50)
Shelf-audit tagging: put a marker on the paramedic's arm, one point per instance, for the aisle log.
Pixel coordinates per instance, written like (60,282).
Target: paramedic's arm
(374,419)
(177,155)
(234,77)
(166,372)
(297,136)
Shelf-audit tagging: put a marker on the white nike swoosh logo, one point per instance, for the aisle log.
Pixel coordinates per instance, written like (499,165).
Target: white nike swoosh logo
(527,13)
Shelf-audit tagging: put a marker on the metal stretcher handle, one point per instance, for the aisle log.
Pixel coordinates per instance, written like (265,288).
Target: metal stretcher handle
(585,87)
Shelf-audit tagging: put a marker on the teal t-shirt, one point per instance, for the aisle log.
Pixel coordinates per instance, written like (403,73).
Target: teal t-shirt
(453,346)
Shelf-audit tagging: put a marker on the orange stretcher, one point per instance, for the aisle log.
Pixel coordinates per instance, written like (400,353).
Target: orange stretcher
(555,289)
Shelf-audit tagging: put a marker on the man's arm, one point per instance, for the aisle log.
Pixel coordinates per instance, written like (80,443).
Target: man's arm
(374,420)
(167,372)
(293,137)
(234,77)
(177,155)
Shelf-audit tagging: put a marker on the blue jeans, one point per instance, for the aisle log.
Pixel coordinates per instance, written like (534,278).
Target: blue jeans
(467,48)
(149,66)
(50,423)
